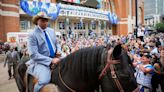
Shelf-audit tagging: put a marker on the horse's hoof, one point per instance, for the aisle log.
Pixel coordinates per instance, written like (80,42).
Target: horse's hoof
(50,88)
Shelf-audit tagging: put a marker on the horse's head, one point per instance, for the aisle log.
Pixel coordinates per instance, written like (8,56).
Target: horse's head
(119,69)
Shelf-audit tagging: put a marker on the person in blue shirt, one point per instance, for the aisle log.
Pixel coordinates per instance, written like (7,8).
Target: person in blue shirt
(144,72)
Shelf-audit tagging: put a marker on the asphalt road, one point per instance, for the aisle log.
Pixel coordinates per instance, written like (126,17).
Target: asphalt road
(5,84)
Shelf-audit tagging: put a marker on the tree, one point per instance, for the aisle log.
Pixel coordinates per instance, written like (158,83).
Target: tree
(160,27)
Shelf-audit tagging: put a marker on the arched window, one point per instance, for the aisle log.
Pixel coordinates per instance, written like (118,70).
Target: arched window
(140,15)
(112,6)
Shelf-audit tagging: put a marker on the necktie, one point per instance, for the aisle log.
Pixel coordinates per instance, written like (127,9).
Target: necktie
(52,53)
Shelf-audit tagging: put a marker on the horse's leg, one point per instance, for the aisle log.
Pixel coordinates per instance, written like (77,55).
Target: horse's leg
(19,76)
(19,83)
(30,83)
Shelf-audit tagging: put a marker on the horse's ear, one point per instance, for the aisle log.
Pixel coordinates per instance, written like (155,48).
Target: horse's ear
(117,51)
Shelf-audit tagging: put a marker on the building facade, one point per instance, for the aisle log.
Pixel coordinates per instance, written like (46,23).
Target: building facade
(154,12)
(15,20)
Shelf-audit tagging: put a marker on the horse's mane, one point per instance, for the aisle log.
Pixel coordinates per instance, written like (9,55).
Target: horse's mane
(83,63)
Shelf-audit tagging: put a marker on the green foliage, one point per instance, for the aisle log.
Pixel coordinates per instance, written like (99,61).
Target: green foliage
(159,26)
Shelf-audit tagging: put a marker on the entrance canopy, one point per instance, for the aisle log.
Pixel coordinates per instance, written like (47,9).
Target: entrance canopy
(32,8)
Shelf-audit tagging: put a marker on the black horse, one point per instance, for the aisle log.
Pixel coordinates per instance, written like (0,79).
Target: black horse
(81,71)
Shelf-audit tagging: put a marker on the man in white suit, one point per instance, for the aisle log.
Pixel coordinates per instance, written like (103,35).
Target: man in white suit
(42,48)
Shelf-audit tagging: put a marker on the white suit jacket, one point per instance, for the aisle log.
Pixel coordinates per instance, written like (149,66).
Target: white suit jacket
(38,48)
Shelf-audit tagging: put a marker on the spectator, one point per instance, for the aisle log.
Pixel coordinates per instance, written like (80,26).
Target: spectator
(158,77)
(140,33)
(12,57)
(144,72)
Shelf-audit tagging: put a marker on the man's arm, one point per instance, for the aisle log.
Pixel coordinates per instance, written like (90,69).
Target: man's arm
(145,69)
(136,60)
(162,56)
(6,60)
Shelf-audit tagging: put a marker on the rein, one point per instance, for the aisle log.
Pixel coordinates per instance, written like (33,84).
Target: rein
(110,64)
(60,77)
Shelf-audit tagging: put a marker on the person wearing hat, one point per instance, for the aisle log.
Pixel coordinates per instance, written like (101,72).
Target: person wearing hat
(144,72)
(43,48)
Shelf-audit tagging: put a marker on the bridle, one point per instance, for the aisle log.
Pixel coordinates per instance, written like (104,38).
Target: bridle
(110,64)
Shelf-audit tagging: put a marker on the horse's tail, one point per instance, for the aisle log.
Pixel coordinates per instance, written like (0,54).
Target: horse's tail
(20,75)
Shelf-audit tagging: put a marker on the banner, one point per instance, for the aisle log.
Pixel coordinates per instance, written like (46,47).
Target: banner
(112,18)
(32,8)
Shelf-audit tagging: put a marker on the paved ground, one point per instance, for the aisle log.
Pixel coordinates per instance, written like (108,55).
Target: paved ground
(2,57)
(5,84)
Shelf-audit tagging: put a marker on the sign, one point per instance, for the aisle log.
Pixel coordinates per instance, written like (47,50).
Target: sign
(84,12)
(22,38)
(32,8)
(17,37)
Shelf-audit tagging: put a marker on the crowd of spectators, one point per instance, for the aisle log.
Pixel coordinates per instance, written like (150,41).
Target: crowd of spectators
(146,52)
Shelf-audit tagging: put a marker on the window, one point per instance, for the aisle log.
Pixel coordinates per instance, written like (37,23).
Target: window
(94,26)
(24,25)
(89,27)
(75,26)
(102,26)
(49,24)
(79,26)
(61,25)
(83,25)
(113,6)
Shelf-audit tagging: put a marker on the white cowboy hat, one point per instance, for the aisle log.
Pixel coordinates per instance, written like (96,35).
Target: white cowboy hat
(40,15)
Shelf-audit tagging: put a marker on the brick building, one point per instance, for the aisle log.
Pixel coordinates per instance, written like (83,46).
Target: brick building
(9,17)
(12,19)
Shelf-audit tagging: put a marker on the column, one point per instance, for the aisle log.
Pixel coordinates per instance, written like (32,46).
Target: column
(122,9)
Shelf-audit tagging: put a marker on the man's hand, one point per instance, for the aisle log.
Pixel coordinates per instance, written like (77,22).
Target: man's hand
(58,54)
(136,58)
(55,60)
